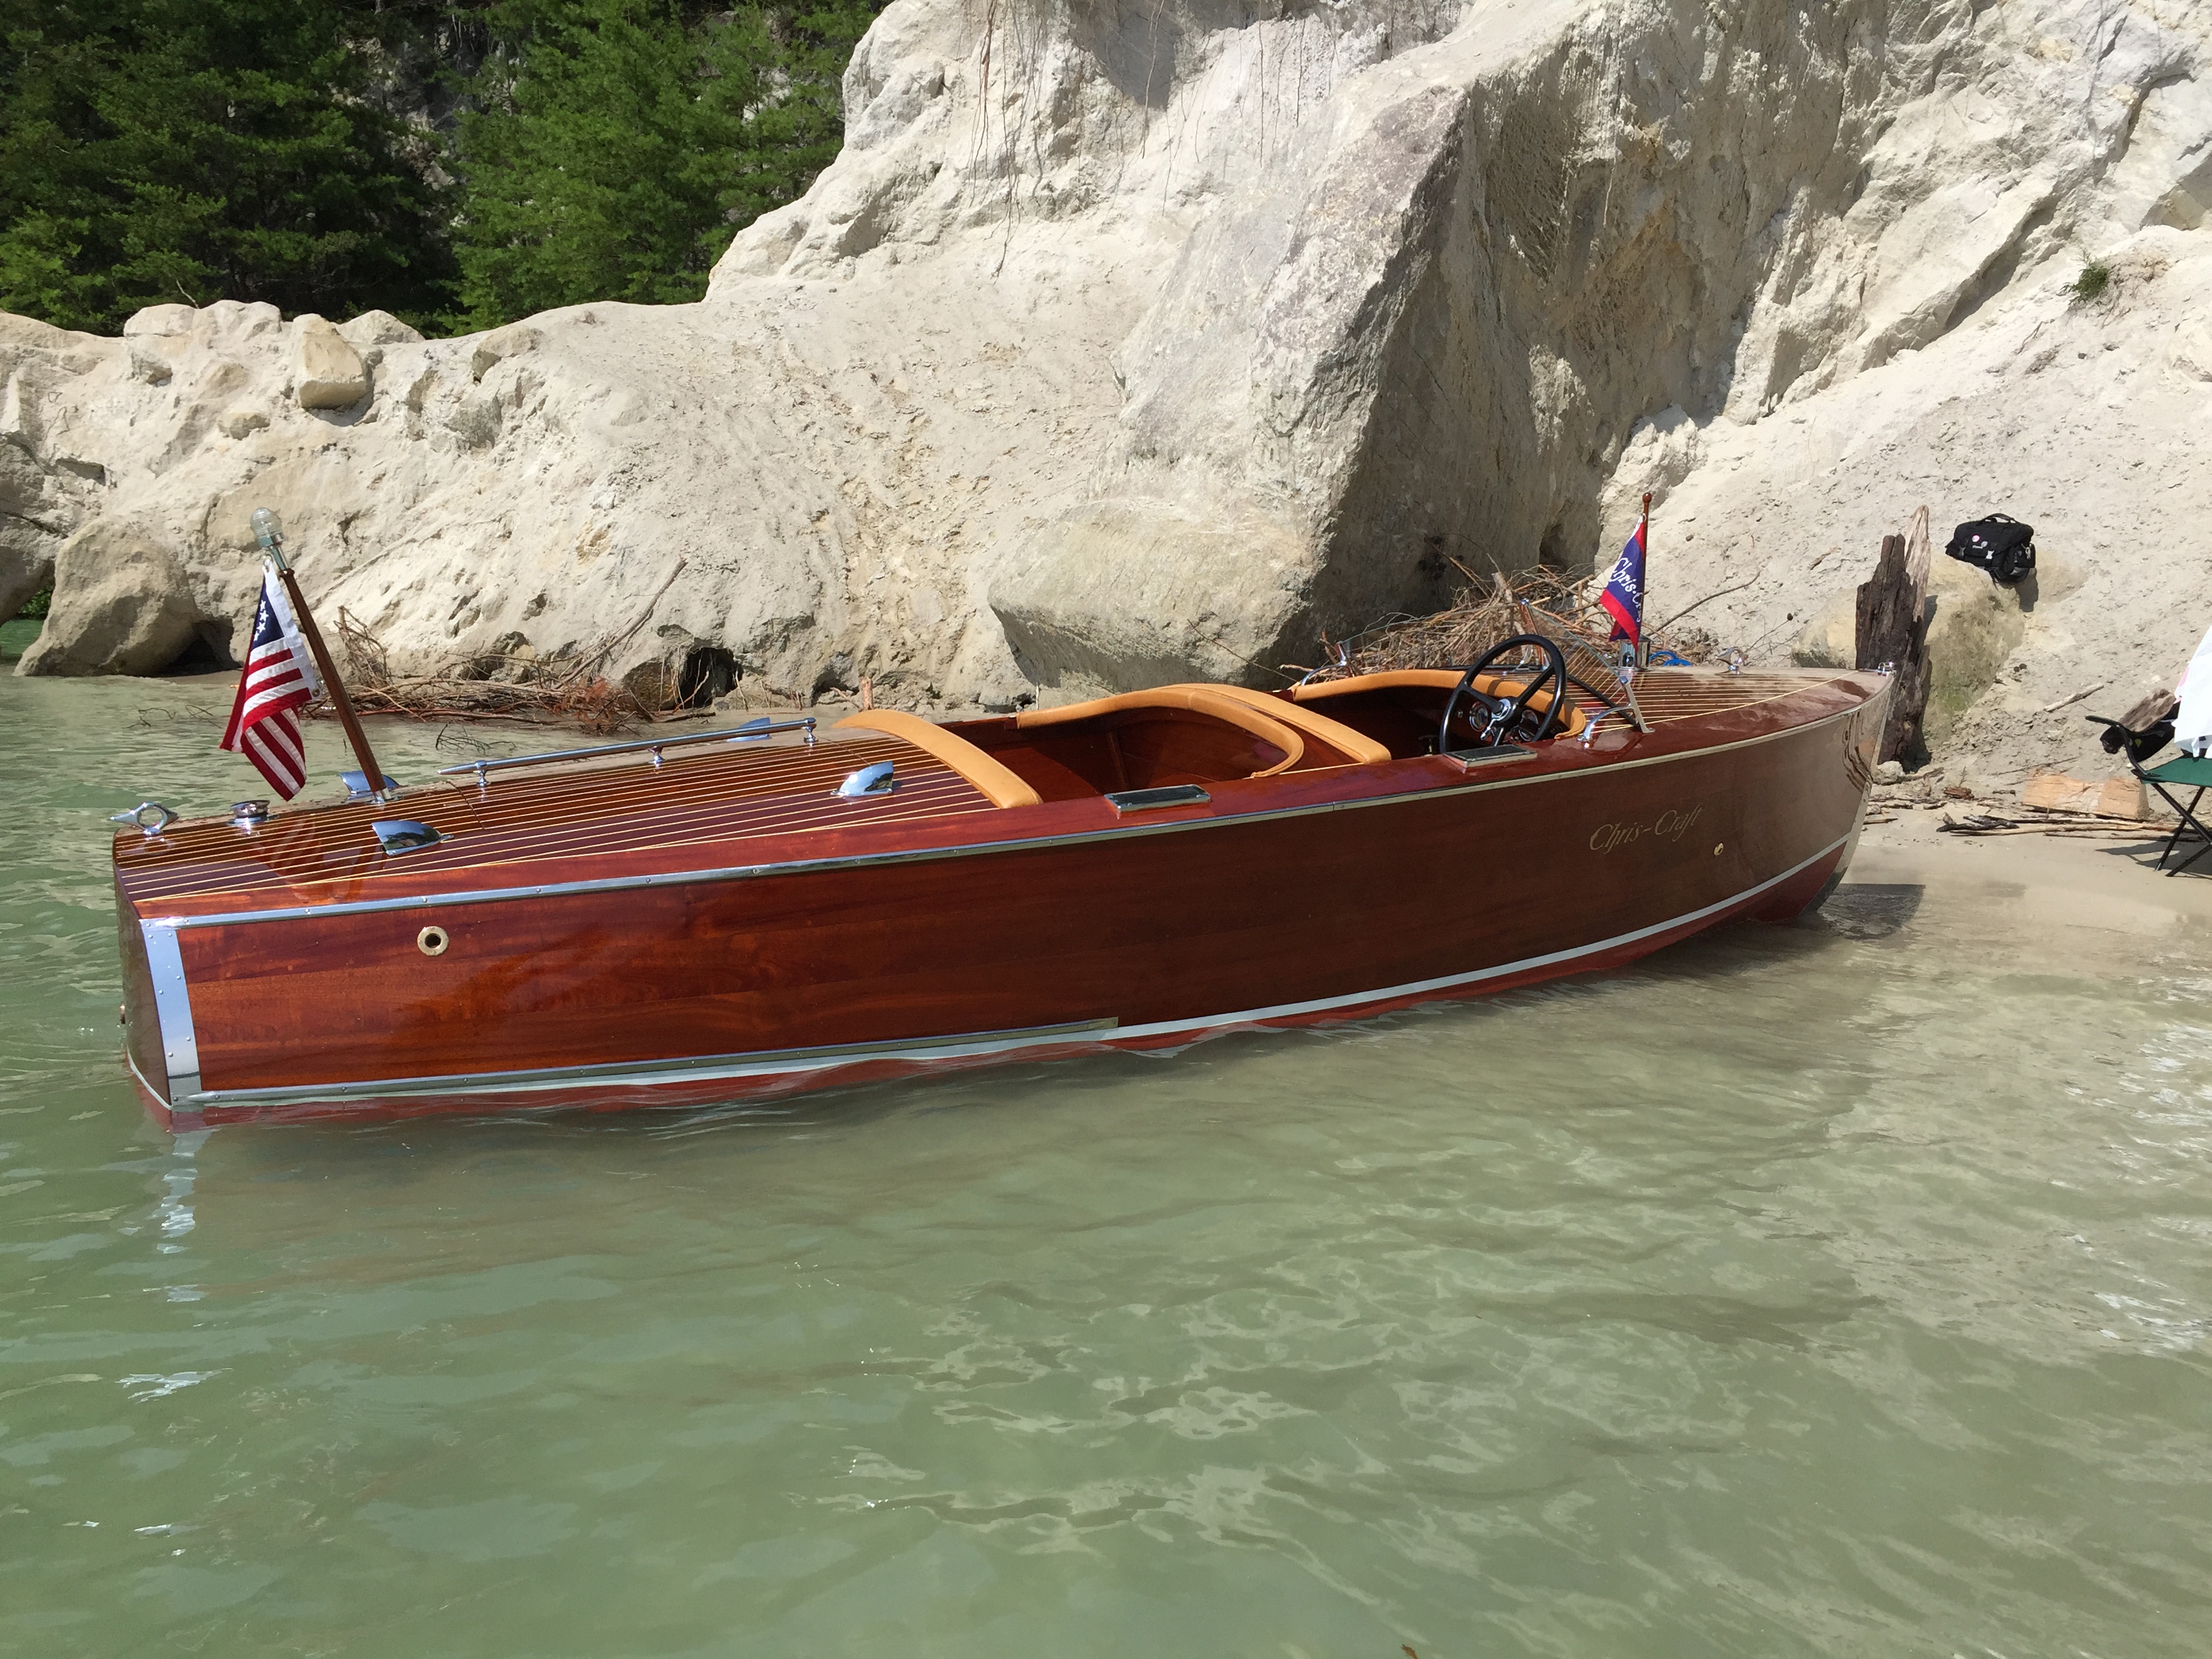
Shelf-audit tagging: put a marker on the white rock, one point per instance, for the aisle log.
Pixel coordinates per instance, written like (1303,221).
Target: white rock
(327,372)
(160,321)
(121,606)
(2192,349)
(1153,341)
(377,328)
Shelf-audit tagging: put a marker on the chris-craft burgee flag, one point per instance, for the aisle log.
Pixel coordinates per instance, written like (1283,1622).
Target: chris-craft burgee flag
(1623,598)
(279,679)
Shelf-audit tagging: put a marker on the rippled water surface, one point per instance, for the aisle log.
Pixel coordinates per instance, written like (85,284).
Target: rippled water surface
(1832,1290)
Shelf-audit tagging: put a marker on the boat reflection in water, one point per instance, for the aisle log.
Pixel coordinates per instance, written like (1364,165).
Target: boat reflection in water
(740,913)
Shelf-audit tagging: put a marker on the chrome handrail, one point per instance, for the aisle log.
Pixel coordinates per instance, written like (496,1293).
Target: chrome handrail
(734,733)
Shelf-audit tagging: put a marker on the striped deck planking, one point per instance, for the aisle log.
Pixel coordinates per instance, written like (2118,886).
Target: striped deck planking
(563,812)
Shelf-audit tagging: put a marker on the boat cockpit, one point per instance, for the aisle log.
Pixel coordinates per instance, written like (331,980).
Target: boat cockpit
(1182,735)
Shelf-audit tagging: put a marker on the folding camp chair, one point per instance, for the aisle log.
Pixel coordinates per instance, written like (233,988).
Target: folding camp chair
(2187,772)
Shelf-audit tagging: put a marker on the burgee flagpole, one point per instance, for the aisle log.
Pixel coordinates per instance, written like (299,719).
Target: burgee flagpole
(269,531)
(1643,640)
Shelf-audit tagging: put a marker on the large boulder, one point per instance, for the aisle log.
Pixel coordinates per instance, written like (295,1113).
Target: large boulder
(1123,344)
(28,496)
(121,606)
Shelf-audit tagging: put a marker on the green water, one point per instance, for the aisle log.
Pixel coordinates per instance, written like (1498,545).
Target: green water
(1836,1289)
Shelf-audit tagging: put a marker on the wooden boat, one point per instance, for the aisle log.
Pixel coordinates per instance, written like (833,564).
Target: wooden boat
(682,922)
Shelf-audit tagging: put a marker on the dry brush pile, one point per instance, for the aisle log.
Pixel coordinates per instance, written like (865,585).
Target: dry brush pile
(511,683)
(1492,610)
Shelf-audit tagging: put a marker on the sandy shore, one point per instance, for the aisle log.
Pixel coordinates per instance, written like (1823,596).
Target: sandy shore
(2100,902)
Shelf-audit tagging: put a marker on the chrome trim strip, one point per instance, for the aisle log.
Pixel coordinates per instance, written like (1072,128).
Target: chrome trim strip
(173,1008)
(744,733)
(772,1062)
(971,849)
(706,1067)
(1125,801)
(1468,759)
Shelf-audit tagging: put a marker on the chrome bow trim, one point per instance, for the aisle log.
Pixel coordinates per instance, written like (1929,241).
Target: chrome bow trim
(173,1008)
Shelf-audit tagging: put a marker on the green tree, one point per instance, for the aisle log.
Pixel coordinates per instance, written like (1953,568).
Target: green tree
(617,145)
(156,150)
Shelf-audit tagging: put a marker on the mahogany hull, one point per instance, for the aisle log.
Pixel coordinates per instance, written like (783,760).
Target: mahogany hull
(845,954)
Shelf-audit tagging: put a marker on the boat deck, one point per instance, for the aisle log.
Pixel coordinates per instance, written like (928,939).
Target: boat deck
(1669,695)
(711,793)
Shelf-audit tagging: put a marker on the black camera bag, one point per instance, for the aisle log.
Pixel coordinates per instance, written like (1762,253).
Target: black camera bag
(2004,547)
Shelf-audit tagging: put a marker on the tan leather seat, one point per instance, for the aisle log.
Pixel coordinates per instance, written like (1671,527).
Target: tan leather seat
(1571,722)
(1205,700)
(998,783)
(1358,746)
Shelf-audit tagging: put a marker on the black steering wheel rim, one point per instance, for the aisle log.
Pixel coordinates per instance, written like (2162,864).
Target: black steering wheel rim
(1507,712)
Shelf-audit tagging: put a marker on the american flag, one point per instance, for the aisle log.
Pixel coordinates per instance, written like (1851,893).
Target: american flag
(1623,598)
(279,679)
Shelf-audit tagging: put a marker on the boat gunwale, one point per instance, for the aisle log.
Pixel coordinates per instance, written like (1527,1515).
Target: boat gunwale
(1434,777)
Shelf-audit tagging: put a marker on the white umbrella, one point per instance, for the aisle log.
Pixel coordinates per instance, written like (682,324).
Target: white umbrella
(2192,721)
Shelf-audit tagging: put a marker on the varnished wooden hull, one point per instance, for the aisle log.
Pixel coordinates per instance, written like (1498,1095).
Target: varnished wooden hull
(714,971)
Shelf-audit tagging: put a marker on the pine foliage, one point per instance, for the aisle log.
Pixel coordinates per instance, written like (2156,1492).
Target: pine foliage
(164,150)
(285,150)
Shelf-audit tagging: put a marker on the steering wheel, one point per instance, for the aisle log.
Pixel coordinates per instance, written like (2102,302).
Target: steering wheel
(1511,720)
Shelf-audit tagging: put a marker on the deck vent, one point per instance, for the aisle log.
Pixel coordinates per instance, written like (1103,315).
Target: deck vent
(871,779)
(249,814)
(397,836)
(1150,800)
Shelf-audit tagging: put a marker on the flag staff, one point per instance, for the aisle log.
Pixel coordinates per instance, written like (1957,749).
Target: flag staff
(1644,644)
(269,531)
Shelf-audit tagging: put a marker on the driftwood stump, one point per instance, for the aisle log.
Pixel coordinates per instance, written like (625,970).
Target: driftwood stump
(1893,633)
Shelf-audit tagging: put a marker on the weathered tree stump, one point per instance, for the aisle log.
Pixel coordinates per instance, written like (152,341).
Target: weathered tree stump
(1893,633)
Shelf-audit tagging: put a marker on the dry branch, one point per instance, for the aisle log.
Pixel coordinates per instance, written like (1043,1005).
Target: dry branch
(571,691)
(1495,608)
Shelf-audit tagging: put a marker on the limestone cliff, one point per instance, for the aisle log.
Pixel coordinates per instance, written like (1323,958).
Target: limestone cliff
(1130,342)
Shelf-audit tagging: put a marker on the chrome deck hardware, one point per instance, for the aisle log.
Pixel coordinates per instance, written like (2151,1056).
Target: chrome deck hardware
(1589,732)
(249,814)
(745,734)
(1150,800)
(148,815)
(397,836)
(356,786)
(874,779)
(1468,759)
